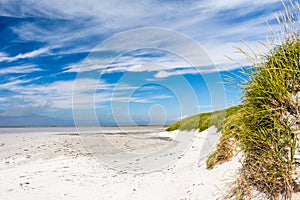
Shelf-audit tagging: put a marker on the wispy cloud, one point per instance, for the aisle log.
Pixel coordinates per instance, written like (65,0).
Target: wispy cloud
(32,54)
(195,70)
(2,54)
(155,60)
(60,94)
(229,4)
(22,69)
(15,84)
(139,99)
(202,20)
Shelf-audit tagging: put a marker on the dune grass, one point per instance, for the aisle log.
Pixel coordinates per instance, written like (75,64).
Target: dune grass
(228,143)
(202,121)
(266,125)
(270,121)
(269,117)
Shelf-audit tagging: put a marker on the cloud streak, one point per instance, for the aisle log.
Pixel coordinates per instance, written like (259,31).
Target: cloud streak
(22,69)
(59,94)
(202,20)
(32,54)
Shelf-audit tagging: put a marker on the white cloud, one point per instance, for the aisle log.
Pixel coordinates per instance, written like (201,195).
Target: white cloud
(181,117)
(23,69)
(14,84)
(140,99)
(32,54)
(59,95)
(195,70)
(162,74)
(89,64)
(198,19)
(2,54)
(214,47)
(174,51)
(219,4)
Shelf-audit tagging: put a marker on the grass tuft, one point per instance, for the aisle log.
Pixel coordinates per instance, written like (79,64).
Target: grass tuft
(269,117)
(265,127)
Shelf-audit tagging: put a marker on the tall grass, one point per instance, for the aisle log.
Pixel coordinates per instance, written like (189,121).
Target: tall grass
(270,121)
(265,127)
(267,123)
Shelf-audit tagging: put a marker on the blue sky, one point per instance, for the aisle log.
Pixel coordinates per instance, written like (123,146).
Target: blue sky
(99,62)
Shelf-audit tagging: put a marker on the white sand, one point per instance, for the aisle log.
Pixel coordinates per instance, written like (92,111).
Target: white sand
(51,166)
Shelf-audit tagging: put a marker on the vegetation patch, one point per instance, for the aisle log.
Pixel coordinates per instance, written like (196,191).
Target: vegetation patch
(267,124)
(265,127)
(203,121)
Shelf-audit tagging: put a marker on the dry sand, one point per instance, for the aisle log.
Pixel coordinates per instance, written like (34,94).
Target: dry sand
(54,164)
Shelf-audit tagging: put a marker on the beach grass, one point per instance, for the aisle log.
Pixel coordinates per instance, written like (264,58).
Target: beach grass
(266,126)
(202,121)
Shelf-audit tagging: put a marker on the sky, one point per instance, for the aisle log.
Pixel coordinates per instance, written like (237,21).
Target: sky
(88,63)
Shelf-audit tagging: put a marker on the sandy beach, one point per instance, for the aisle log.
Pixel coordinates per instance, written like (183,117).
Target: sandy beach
(55,163)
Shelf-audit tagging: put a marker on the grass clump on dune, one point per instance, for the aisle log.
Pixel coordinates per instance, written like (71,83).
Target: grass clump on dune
(270,118)
(270,114)
(202,121)
(266,126)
